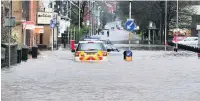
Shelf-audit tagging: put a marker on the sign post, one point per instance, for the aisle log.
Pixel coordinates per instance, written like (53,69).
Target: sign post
(130,25)
(52,25)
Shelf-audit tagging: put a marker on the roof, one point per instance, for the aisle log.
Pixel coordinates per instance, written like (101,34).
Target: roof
(90,41)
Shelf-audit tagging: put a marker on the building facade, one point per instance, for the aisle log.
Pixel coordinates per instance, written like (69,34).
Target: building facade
(17,13)
(195,20)
(5,10)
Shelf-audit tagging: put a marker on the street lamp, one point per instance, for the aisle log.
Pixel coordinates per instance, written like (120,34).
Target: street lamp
(165,25)
(129,18)
(79,17)
(176,47)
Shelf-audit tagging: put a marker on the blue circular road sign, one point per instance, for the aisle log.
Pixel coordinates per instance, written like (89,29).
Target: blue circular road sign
(53,23)
(130,25)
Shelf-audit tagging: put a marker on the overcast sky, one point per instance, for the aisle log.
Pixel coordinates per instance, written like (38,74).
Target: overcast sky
(46,3)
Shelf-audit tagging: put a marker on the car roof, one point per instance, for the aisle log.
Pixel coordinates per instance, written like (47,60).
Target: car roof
(192,38)
(90,41)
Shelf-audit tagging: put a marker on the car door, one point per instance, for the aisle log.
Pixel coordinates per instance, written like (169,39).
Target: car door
(195,42)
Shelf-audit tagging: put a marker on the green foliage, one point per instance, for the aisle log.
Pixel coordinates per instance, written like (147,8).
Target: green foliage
(83,30)
(145,11)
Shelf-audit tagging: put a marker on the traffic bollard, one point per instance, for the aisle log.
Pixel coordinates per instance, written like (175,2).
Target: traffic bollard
(128,55)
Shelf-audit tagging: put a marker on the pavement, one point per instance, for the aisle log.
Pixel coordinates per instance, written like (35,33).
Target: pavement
(151,76)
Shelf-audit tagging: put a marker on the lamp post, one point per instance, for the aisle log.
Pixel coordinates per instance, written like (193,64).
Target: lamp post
(10,14)
(129,18)
(79,17)
(176,47)
(149,33)
(98,16)
(57,25)
(165,25)
(52,43)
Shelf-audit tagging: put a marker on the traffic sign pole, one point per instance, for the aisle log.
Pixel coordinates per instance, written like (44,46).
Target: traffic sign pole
(52,25)
(129,18)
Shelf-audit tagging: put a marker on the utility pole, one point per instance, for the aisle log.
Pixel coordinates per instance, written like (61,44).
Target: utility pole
(52,44)
(129,18)
(70,7)
(177,25)
(149,33)
(9,33)
(74,34)
(68,26)
(165,25)
(90,18)
(79,21)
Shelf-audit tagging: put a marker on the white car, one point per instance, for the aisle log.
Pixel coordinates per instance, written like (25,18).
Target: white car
(109,45)
(189,41)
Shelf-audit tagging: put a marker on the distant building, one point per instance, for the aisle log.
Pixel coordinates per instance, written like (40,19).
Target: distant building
(195,20)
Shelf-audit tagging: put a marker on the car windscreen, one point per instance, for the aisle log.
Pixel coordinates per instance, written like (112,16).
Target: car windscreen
(90,47)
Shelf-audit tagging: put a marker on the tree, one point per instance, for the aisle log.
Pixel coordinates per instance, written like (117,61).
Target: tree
(145,11)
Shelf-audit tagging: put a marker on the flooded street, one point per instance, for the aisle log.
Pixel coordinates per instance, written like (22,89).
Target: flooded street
(151,76)
(50,35)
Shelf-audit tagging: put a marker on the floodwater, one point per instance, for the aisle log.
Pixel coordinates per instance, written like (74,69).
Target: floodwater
(150,76)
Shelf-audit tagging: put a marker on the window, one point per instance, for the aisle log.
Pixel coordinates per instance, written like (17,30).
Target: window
(41,38)
(6,12)
(90,47)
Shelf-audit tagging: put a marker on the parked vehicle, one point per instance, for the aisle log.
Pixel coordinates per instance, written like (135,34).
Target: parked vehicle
(109,45)
(190,41)
(176,39)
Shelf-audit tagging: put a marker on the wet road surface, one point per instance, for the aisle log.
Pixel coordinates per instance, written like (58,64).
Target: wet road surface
(151,76)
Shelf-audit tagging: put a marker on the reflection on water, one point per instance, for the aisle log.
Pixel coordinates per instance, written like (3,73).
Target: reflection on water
(151,73)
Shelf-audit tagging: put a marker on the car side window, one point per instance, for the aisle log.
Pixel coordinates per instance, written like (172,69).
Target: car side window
(78,47)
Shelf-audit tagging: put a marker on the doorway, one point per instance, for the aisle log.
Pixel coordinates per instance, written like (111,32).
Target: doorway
(41,38)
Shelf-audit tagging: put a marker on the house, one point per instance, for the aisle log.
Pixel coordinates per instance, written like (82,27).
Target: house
(195,20)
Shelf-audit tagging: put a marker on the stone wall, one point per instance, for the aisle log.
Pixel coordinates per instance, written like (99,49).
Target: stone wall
(5,54)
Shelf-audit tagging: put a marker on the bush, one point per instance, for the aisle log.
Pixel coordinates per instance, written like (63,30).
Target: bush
(83,31)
